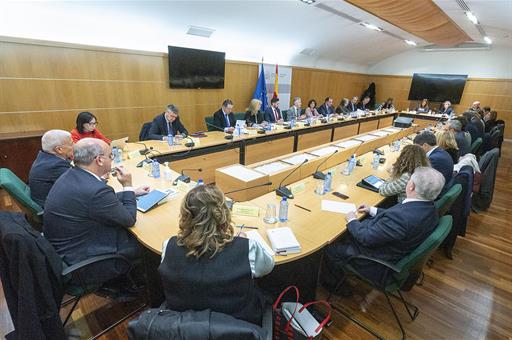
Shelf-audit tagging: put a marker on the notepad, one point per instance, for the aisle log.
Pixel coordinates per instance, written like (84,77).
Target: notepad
(271,168)
(150,200)
(328,150)
(348,144)
(241,172)
(338,207)
(298,159)
(365,138)
(380,133)
(256,236)
(392,129)
(283,241)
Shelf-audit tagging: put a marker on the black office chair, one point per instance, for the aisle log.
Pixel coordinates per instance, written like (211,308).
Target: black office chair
(144,131)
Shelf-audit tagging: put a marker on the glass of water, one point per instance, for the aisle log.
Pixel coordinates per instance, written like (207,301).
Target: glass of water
(270,215)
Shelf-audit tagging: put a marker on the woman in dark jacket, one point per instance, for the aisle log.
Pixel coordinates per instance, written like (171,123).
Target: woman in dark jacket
(253,115)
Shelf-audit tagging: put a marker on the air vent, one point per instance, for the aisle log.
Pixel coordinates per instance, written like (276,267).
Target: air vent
(200,31)
(460,47)
(308,51)
(463,5)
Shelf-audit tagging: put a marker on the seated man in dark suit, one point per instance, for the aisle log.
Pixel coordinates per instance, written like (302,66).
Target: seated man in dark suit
(389,234)
(475,126)
(84,217)
(352,106)
(272,113)
(439,158)
(225,118)
(327,108)
(50,164)
(167,123)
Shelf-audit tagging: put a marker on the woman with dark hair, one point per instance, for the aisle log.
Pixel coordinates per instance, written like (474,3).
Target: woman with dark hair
(423,107)
(86,127)
(364,104)
(343,107)
(207,266)
(311,110)
(490,120)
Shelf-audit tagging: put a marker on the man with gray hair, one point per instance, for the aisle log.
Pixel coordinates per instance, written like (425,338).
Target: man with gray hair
(389,234)
(295,112)
(51,162)
(84,217)
(167,123)
(455,126)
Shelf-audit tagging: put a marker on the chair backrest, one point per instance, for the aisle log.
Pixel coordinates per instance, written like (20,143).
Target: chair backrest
(284,114)
(476,145)
(445,202)
(19,191)
(144,131)
(209,120)
(240,115)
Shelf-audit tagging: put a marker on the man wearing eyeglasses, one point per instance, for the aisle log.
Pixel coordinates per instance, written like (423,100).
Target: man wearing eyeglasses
(84,217)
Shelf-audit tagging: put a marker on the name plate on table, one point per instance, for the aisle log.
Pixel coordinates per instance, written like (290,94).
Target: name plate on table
(182,186)
(246,210)
(297,188)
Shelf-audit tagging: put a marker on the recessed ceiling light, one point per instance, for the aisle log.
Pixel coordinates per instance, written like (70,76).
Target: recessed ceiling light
(410,42)
(309,2)
(472,17)
(370,26)
(488,40)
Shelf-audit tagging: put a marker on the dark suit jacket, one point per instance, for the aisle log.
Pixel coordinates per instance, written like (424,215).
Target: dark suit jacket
(442,162)
(159,128)
(352,107)
(448,111)
(250,120)
(462,143)
(269,115)
(362,106)
(83,217)
(220,121)
(324,110)
(46,169)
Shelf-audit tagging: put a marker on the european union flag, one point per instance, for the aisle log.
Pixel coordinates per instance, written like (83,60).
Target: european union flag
(261,90)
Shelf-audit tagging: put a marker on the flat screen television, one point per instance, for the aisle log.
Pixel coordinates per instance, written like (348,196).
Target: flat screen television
(196,69)
(437,87)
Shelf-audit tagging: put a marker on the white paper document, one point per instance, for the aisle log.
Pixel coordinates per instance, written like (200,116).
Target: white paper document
(283,241)
(298,159)
(365,138)
(381,133)
(241,172)
(392,129)
(271,168)
(328,150)
(348,144)
(256,236)
(338,207)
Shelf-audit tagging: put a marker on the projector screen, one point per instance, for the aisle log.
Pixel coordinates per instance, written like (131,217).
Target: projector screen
(437,87)
(196,69)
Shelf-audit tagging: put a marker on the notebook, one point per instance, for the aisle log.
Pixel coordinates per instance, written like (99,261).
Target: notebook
(150,200)
(256,236)
(283,241)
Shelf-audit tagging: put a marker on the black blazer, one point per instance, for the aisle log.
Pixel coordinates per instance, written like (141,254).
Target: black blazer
(362,106)
(442,162)
(220,121)
(448,111)
(159,128)
(250,120)
(325,110)
(46,169)
(83,217)
(269,115)
(352,107)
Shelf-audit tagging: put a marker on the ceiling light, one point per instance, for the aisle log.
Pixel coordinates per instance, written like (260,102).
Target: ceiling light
(488,40)
(472,17)
(410,42)
(309,2)
(370,26)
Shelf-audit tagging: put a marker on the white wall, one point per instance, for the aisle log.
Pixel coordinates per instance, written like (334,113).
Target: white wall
(494,63)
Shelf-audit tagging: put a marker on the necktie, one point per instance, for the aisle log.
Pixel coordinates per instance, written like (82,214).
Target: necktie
(275,114)
(169,128)
(227,121)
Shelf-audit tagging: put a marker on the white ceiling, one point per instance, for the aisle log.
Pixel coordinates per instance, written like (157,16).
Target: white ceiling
(246,30)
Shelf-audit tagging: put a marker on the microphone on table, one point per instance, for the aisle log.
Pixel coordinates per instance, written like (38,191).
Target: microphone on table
(284,191)
(228,136)
(146,150)
(184,178)
(230,203)
(146,158)
(320,174)
(190,144)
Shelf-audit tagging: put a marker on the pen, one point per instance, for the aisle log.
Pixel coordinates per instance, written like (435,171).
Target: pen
(298,206)
(281,253)
(241,227)
(246,226)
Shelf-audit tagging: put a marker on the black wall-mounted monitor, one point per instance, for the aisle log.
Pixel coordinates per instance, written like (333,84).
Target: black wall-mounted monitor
(437,87)
(196,69)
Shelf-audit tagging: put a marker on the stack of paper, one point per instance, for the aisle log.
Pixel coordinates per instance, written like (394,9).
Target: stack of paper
(348,144)
(241,172)
(392,129)
(283,241)
(338,207)
(324,151)
(381,133)
(298,159)
(271,168)
(256,236)
(365,138)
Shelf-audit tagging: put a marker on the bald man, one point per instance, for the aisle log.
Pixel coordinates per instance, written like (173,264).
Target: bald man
(51,162)
(84,217)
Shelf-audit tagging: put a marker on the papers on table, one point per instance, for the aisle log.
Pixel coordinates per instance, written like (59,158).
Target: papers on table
(392,129)
(241,172)
(298,159)
(348,144)
(328,150)
(365,138)
(283,241)
(255,236)
(380,133)
(271,168)
(338,207)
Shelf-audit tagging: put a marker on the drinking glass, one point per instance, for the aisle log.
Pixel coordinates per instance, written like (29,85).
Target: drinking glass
(270,215)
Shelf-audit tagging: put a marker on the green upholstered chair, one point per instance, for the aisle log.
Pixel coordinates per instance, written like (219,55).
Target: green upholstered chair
(240,115)
(400,276)
(475,146)
(444,203)
(284,114)
(209,120)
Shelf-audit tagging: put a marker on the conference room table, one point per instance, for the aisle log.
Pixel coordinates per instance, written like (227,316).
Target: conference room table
(313,229)
(424,120)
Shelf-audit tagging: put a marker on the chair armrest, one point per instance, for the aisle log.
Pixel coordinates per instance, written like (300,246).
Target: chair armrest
(374,260)
(93,260)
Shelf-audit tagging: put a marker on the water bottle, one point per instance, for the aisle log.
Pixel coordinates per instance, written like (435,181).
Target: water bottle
(375,162)
(283,210)
(292,122)
(327,182)
(170,139)
(117,155)
(167,172)
(350,166)
(200,182)
(155,169)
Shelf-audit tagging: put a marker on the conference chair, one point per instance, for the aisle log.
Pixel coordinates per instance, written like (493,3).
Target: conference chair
(400,276)
(209,120)
(144,131)
(488,164)
(20,192)
(240,115)
(446,201)
(475,146)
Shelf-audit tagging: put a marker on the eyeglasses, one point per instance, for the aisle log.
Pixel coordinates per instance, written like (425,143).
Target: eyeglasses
(94,123)
(111,156)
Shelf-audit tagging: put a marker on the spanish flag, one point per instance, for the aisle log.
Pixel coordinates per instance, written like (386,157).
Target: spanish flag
(276,93)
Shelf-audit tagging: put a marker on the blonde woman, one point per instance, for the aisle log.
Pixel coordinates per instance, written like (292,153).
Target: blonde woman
(446,141)
(207,265)
(411,157)
(253,115)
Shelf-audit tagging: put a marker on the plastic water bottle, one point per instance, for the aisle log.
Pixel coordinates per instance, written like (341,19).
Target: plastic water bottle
(155,169)
(350,166)
(170,139)
(375,161)
(200,182)
(117,155)
(167,172)
(292,122)
(283,210)
(328,182)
